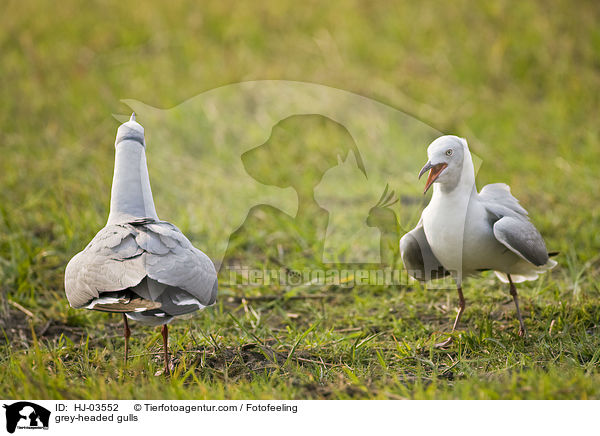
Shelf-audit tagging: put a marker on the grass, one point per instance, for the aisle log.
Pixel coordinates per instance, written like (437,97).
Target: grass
(520,82)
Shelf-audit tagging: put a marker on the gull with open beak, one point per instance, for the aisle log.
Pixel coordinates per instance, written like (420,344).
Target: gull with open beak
(462,232)
(137,264)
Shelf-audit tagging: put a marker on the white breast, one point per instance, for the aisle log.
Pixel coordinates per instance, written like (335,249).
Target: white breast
(444,225)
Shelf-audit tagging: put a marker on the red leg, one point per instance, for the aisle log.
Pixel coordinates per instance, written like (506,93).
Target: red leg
(461,308)
(513,292)
(165,335)
(126,334)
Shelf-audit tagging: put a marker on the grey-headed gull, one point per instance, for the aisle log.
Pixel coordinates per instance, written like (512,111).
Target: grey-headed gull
(462,232)
(137,264)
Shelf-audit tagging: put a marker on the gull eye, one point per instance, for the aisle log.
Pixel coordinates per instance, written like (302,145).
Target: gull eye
(449,152)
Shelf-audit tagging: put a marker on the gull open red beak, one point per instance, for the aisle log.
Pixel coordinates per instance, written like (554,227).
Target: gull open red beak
(434,173)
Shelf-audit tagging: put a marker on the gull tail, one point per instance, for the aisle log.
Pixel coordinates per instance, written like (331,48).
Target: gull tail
(525,271)
(122,302)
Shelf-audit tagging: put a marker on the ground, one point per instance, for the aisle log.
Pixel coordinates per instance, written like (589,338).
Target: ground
(519,81)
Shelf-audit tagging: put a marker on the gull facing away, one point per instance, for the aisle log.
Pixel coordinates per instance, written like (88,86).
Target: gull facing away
(137,264)
(462,232)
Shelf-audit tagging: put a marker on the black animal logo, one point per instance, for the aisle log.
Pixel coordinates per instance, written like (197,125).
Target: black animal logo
(26,414)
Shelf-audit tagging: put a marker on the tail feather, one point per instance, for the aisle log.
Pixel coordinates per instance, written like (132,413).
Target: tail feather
(526,274)
(122,302)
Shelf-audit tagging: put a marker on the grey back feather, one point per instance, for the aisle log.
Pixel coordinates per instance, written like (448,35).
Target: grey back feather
(120,256)
(499,201)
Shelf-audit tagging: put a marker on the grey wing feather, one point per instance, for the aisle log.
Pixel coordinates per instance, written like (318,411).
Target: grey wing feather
(522,238)
(121,256)
(511,224)
(418,258)
(112,261)
(182,266)
(500,202)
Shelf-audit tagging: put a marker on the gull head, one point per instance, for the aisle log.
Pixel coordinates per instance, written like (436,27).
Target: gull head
(132,131)
(446,155)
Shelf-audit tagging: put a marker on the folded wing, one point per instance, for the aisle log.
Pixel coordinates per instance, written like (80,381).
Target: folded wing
(511,225)
(418,258)
(122,256)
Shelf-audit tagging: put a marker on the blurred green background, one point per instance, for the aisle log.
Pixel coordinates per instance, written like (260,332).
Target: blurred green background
(519,80)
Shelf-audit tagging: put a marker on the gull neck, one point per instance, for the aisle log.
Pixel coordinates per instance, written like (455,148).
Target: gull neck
(131,196)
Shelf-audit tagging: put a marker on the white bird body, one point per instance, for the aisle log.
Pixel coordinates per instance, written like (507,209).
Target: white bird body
(463,232)
(464,243)
(138,264)
(459,227)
